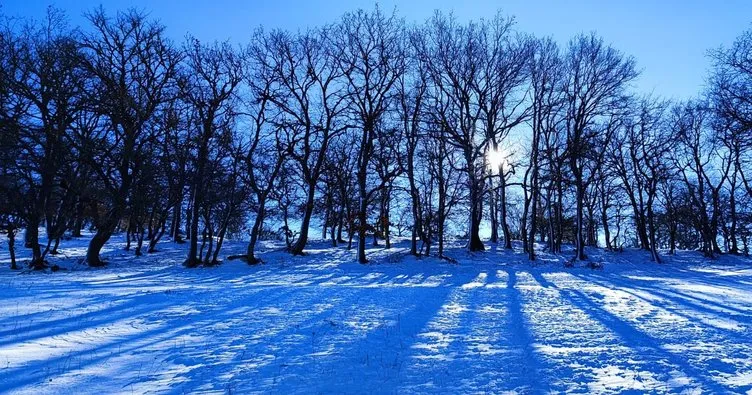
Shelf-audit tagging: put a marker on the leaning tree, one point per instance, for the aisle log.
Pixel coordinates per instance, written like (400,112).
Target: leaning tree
(130,64)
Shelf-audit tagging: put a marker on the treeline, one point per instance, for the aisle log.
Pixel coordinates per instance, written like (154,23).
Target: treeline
(366,126)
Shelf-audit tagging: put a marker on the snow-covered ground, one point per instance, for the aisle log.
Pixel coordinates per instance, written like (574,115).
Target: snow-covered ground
(322,323)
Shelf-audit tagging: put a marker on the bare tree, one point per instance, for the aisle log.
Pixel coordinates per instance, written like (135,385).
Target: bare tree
(451,55)
(209,84)
(411,95)
(266,153)
(730,96)
(310,95)
(545,79)
(372,58)
(641,162)
(731,81)
(704,164)
(502,92)
(597,77)
(47,84)
(11,110)
(130,64)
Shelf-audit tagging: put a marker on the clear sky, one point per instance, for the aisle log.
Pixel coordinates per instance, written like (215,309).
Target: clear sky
(669,38)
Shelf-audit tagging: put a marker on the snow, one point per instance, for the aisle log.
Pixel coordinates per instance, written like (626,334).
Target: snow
(323,323)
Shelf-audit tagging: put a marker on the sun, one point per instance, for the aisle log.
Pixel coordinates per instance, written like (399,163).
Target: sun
(495,158)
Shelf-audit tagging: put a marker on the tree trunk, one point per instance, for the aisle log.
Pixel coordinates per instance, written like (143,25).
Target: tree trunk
(326,217)
(333,235)
(526,209)
(12,247)
(197,202)
(220,241)
(32,241)
(474,243)
(341,223)
(157,235)
(78,222)
(362,217)
(604,218)
(415,206)
(176,222)
(221,236)
(492,205)
(385,217)
(559,216)
(551,219)
(54,248)
(651,225)
(414,241)
(672,239)
(300,243)
(503,210)
(592,239)
(350,233)
(734,249)
(188,217)
(255,230)
(128,233)
(441,180)
(97,242)
(193,259)
(210,237)
(533,215)
(580,225)
(713,230)
(366,144)
(139,238)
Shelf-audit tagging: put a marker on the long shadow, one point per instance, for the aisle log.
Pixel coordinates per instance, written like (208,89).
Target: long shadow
(474,338)
(692,273)
(322,330)
(258,338)
(678,296)
(129,278)
(378,352)
(694,300)
(464,346)
(643,343)
(142,302)
(132,306)
(689,274)
(669,304)
(18,319)
(437,354)
(571,352)
(34,371)
(520,327)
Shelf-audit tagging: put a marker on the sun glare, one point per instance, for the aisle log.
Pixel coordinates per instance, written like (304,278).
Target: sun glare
(495,158)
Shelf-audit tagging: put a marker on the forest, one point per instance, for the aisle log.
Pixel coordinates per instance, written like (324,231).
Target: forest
(366,128)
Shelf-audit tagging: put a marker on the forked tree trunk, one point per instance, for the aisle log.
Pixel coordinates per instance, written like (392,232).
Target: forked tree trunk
(300,243)
(255,230)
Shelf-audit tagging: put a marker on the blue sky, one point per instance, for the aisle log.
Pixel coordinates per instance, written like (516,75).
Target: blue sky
(669,38)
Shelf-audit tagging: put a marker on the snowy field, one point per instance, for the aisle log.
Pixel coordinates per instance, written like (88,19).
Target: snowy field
(322,324)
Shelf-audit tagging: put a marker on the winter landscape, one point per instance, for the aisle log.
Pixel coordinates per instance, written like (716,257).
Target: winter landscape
(491,323)
(374,200)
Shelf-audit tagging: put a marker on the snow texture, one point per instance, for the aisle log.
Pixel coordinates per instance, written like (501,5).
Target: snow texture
(323,323)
